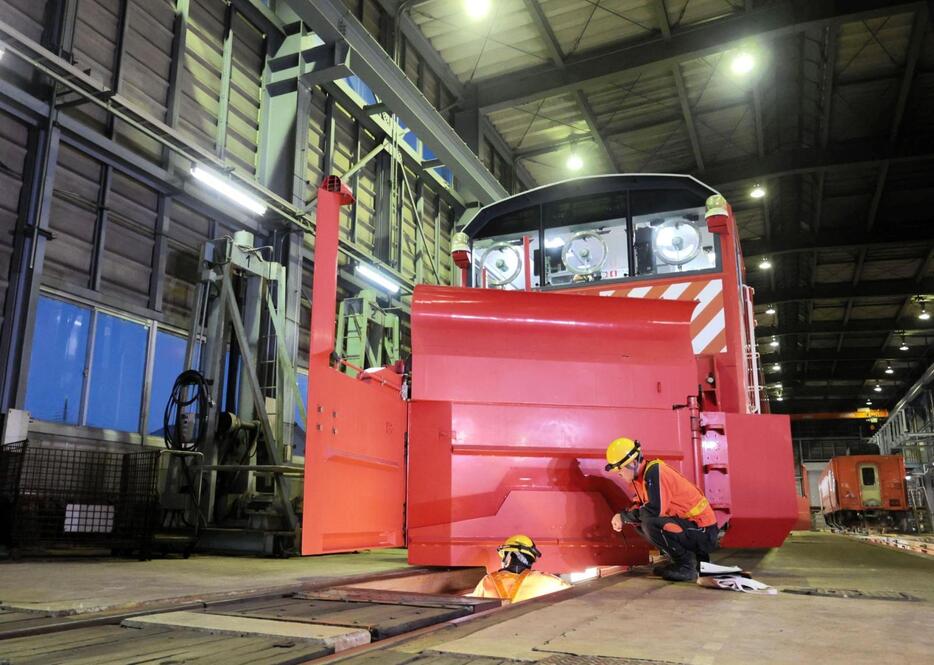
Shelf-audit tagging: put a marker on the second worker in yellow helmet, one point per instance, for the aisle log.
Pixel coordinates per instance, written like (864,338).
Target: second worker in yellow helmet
(516,581)
(668,510)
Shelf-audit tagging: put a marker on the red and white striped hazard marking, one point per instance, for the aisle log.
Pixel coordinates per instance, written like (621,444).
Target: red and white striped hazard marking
(708,322)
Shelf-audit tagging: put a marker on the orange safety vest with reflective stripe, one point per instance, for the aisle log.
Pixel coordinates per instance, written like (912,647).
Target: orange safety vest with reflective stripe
(679,496)
(516,587)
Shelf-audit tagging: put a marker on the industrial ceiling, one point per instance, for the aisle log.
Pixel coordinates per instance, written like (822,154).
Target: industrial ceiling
(832,120)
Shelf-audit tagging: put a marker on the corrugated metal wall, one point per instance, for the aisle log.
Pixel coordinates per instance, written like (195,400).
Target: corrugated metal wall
(14,137)
(113,235)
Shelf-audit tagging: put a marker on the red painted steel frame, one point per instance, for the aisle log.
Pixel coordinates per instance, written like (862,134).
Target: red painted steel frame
(516,394)
(355,445)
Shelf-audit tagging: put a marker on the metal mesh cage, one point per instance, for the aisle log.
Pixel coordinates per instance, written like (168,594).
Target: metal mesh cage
(65,497)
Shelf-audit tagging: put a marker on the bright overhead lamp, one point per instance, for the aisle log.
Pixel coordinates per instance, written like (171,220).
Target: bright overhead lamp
(777,367)
(757,192)
(765,264)
(477,9)
(780,397)
(574,163)
(742,63)
(774,342)
(877,388)
(904,346)
(770,310)
(889,370)
(924,314)
(223,186)
(908,477)
(868,402)
(372,275)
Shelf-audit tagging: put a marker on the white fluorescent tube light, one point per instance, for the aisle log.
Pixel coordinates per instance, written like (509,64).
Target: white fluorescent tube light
(224,187)
(377,278)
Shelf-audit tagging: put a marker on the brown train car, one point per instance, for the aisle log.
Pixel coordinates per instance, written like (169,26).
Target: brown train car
(862,490)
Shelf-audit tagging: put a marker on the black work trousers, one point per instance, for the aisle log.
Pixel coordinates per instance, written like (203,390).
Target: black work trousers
(676,544)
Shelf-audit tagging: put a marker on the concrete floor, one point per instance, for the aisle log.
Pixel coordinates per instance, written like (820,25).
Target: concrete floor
(637,618)
(85,585)
(630,618)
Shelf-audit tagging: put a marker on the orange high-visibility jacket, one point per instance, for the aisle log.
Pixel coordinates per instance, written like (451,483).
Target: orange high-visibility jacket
(516,587)
(678,496)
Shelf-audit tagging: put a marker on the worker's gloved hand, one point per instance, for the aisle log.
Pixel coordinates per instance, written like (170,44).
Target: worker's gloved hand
(631,516)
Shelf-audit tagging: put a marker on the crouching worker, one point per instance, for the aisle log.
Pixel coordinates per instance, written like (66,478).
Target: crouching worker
(516,581)
(669,510)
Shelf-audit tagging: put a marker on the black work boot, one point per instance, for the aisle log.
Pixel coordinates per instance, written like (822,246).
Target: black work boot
(682,570)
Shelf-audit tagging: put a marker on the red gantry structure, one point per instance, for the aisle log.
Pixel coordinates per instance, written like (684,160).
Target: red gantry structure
(590,309)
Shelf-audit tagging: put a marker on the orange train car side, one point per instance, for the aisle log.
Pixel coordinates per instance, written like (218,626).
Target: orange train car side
(864,489)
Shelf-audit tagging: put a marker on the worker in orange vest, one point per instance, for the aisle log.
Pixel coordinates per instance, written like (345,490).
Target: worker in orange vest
(516,581)
(668,510)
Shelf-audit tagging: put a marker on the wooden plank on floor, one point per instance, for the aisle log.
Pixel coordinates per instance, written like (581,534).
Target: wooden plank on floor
(361,595)
(382,620)
(136,648)
(48,645)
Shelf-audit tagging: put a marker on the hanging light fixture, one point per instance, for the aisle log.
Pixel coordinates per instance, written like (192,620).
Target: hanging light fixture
(904,346)
(477,9)
(868,402)
(742,63)
(877,387)
(757,192)
(765,264)
(770,310)
(574,163)
(223,186)
(776,367)
(889,370)
(774,342)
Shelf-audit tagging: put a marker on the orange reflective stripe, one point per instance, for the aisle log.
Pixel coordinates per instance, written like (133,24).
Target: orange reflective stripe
(501,589)
(515,588)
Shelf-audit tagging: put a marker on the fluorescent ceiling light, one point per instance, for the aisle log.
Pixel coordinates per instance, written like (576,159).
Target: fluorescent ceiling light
(742,63)
(223,186)
(377,278)
(477,9)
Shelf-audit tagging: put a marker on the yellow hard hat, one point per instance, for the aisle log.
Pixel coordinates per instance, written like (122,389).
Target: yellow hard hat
(519,544)
(621,451)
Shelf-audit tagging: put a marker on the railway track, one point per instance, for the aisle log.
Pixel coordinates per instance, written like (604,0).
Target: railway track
(274,626)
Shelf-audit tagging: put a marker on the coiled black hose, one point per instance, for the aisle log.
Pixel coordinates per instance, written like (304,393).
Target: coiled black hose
(176,406)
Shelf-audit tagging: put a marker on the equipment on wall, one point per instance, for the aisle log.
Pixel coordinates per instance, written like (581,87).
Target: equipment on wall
(234,406)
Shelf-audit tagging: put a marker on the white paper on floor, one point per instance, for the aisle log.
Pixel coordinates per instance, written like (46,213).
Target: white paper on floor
(707,568)
(736,583)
